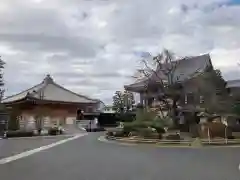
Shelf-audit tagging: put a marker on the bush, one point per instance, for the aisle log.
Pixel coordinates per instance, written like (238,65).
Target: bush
(145,121)
(173,137)
(116,133)
(147,133)
(126,117)
(19,133)
(110,133)
(53,131)
(119,134)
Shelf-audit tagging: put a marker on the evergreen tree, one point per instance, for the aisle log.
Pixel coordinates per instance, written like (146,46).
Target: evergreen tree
(123,101)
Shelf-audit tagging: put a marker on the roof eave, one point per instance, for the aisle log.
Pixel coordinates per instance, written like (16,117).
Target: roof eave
(134,89)
(62,102)
(15,101)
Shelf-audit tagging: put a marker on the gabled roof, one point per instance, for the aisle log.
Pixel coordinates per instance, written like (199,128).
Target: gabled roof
(185,68)
(50,91)
(138,85)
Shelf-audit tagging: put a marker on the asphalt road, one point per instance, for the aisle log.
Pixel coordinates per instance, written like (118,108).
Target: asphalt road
(87,158)
(10,147)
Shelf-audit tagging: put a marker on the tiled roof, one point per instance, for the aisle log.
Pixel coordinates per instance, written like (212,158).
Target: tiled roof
(185,69)
(50,91)
(140,84)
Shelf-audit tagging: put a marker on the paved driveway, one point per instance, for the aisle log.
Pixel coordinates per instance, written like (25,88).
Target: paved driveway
(88,159)
(9,147)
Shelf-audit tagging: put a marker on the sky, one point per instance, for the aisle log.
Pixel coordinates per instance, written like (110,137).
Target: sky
(93,47)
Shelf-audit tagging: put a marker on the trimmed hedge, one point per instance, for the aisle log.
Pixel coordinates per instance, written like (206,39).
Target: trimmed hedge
(19,133)
(173,137)
(54,131)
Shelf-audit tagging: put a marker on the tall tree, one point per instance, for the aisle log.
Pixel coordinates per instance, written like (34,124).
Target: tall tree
(118,103)
(1,78)
(214,89)
(128,99)
(161,70)
(123,101)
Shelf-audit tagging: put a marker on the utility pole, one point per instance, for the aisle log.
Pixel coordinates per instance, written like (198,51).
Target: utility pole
(39,123)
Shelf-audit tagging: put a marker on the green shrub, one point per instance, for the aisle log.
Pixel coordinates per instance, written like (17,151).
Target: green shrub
(53,131)
(144,123)
(143,115)
(110,133)
(117,133)
(128,127)
(19,133)
(145,132)
(126,117)
(173,137)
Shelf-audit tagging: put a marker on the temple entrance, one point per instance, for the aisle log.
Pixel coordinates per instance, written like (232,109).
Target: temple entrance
(80,115)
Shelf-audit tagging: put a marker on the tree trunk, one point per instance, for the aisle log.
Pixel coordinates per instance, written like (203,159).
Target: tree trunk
(175,113)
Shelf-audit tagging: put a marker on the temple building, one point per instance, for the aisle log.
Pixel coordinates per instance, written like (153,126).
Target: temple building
(188,73)
(47,104)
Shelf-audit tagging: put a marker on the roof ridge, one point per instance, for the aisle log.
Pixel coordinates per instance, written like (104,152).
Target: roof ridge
(190,57)
(40,89)
(22,91)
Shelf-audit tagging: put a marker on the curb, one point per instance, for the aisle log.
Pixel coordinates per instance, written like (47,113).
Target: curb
(105,140)
(156,143)
(167,145)
(115,141)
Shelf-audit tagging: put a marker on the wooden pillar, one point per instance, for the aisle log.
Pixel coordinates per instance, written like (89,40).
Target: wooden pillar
(145,100)
(141,99)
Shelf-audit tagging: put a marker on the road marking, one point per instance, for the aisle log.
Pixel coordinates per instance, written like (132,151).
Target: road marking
(239,167)
(33,151)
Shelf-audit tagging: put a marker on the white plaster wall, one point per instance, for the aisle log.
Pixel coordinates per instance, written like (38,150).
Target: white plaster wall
(70,120)
(46,122)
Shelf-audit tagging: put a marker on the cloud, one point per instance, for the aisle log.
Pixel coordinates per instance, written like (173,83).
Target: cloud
(93,47)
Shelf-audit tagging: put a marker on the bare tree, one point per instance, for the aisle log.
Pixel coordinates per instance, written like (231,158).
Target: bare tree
(160,72)
(165,81)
